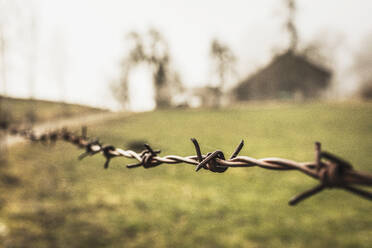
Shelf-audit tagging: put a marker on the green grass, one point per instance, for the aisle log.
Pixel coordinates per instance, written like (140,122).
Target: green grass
(60,202)
(43,110)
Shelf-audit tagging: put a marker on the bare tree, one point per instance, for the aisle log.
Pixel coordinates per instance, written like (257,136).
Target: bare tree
(59,66)
(2,69)
(363,59)
(136,55)
(159,59)
(32,47)
(32,51)
(153,50)
(4,110)
(224,60)
(3,50)
(120,88)
(59,62)
(362,67)
(10,21)
(290,24)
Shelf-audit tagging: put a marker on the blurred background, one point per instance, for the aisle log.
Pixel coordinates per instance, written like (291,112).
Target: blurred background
(78,51)
(282,73)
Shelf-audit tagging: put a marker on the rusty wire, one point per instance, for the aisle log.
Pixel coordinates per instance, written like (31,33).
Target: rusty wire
(330,170)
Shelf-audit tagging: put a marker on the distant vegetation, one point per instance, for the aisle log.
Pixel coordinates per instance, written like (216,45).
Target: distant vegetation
(366,90)
(149,49)
(42,110)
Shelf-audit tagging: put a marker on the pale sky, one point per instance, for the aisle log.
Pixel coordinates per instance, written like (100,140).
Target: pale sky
(81,42)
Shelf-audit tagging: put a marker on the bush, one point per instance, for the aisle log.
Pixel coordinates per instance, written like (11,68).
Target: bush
(6,118)
(366,90)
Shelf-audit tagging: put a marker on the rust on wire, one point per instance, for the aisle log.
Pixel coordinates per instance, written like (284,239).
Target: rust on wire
(330,170)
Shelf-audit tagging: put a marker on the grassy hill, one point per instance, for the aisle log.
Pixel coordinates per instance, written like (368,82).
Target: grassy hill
(61,202)
(43,110)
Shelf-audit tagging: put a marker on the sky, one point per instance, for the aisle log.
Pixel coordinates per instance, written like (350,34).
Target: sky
(78,44)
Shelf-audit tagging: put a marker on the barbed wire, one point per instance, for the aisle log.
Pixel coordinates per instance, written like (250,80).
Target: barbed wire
(330,170)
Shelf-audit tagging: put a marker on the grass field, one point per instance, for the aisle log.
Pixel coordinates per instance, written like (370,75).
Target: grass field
(57,201)
(43,110)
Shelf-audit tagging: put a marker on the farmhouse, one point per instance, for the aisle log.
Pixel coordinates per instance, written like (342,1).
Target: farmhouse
(288,76)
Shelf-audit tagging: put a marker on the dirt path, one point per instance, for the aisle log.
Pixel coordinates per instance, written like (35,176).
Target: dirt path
(70,122)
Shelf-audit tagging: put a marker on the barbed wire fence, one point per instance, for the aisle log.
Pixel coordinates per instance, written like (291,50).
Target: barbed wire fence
(329,169)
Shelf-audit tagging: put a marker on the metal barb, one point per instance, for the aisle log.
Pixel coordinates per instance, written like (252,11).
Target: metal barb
(306,195)
(318,150)
(197,149)
(107,152)
(154,153)
(344,164)
(365,194)
(237,149)
(207,159)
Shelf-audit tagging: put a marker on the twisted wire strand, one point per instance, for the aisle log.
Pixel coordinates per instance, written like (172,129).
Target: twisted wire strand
(330,170)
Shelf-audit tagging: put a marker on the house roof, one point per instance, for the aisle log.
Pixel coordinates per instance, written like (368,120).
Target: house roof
(287,66)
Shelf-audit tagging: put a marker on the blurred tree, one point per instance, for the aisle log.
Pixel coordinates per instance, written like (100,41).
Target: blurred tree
(224,61)
(120,88)
(176,87)
(11,19)
(363,59)
(362,67)
(290,24)
(59,65)
(159,59)
(4,110)
(136,55)
(32,47)
(318,52)
(153,50)
(365,90)
(18,27)
(3,69)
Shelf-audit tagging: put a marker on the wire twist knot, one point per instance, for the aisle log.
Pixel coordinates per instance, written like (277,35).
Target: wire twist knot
(331,174)
(148,156)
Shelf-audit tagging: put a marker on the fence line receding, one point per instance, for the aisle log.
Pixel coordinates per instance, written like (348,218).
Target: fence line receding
(330,170)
